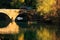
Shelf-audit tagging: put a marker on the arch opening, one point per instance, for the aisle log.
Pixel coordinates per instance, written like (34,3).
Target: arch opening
(4,20)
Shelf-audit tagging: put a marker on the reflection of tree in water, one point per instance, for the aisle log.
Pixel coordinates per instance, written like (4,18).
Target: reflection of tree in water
(58,30)
(50,28)
(8,37)
(30,35)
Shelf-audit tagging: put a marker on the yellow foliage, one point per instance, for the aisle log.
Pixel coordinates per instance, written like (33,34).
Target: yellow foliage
(45,5)
(22,1)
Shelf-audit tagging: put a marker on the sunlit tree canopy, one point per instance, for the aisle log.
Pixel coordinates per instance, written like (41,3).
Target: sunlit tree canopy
(22,1)
(45,5)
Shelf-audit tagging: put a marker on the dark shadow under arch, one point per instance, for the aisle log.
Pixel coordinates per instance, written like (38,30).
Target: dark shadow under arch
(4,20)
(22,23)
